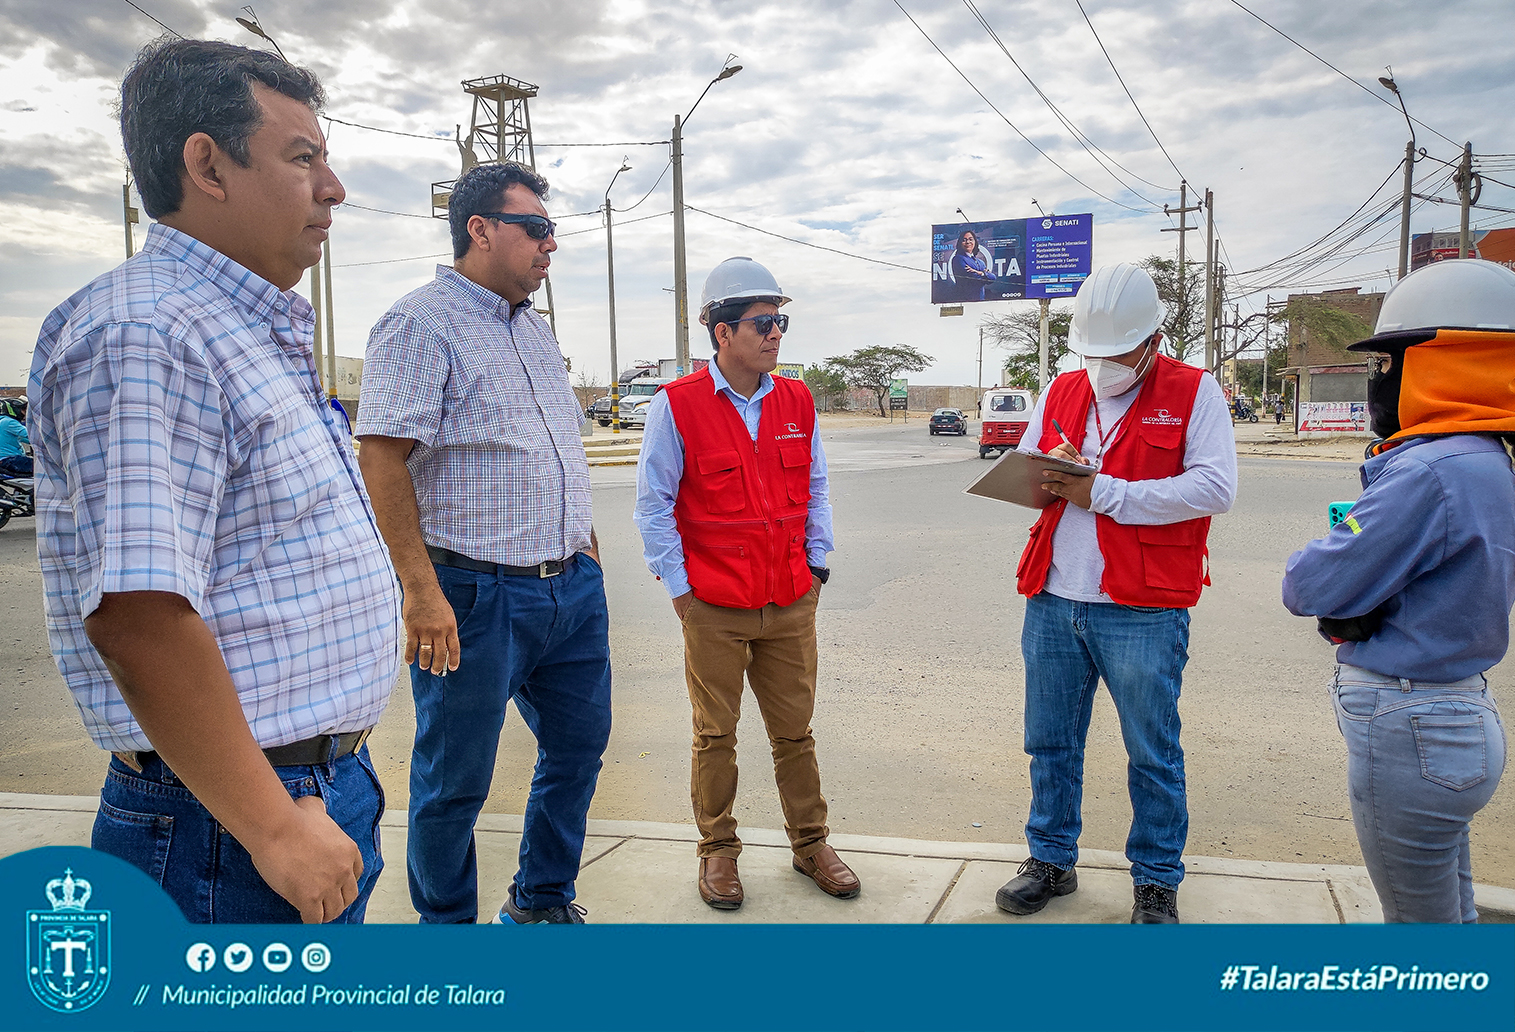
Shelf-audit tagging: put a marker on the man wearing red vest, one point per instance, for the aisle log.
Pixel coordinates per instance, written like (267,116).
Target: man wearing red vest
(1109,573)
(734,507)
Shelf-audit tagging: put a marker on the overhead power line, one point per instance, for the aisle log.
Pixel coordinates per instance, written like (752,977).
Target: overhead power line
(1123,86)
(1338,71)
(394,261)
(439,137)
(649,192)
(806,243)
(1012,125)
(618,225)
(160,25)
(1079,136)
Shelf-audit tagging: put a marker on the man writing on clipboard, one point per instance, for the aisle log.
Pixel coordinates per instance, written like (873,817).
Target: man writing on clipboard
(1109,574)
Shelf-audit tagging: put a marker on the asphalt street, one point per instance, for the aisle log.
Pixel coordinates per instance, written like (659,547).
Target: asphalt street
(919,717)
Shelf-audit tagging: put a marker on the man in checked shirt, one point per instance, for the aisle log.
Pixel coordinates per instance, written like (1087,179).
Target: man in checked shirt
(471,450)
(218,598)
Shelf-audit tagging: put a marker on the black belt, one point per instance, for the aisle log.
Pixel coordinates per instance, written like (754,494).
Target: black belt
(312,752)
(447,557)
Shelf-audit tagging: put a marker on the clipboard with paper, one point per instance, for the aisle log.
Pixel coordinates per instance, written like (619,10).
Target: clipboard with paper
(1016,477)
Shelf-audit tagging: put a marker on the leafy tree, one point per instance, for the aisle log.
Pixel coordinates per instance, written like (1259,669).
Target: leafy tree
(1315,319)
(1184,328)
(826,383)
(873,368)
(1020,334)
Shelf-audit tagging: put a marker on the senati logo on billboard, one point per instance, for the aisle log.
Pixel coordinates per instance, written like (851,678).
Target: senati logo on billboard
(68,947)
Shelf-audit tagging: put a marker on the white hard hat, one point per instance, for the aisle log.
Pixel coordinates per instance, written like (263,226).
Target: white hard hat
(735,279)
(1115,310)
(1466,294)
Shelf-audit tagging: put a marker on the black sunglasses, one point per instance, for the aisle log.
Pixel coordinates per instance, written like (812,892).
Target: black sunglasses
(538,227)
(764,323)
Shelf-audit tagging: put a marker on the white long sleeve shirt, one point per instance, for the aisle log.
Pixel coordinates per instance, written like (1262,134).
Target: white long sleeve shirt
(1206,487)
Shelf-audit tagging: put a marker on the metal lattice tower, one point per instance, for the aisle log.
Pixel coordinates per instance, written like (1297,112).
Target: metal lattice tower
(499,130)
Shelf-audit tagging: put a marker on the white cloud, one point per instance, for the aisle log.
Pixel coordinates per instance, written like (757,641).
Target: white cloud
(844,128)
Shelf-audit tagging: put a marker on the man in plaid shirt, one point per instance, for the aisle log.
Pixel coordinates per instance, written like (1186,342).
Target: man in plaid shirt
(218,598)
(471,450)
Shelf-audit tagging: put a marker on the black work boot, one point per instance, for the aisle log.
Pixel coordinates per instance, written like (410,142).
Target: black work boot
(1034,885)
(1155,904)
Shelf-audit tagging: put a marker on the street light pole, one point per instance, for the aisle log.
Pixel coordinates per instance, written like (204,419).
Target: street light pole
(680,260)
(680,273)
(1404,209)
(615,369)
(981,358)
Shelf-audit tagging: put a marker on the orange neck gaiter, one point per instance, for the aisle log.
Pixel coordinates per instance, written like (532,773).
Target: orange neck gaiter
(1459,382)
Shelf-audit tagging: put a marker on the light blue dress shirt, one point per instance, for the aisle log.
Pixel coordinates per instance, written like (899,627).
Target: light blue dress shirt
(661,467)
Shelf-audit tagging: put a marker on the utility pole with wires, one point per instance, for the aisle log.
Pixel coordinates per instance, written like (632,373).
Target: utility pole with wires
(1388,83)
(129,216)
(1182,211)
(1210,299)
(1469,187)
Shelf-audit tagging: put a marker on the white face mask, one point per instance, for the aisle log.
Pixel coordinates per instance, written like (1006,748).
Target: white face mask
(1110,379)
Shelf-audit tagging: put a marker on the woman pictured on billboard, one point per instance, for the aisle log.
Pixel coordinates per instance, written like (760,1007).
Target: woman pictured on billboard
(970,267)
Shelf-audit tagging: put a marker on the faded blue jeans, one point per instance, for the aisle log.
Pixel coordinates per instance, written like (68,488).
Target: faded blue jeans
(150,820)
(1140,653)
(1422,759)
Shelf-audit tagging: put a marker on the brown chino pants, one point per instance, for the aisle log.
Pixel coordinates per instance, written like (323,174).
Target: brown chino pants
(775,648)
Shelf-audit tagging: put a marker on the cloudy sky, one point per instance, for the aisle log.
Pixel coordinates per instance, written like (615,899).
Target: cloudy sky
(845,129)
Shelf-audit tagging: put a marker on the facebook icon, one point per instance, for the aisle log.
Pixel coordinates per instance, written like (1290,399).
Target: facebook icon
(200,957)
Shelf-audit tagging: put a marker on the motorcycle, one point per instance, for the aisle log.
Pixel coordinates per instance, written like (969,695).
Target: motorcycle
(1242,412)
(17,498)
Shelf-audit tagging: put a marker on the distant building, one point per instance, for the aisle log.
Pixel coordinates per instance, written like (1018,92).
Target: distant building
(1330,382)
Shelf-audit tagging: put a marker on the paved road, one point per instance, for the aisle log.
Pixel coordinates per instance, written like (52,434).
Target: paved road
(919,721)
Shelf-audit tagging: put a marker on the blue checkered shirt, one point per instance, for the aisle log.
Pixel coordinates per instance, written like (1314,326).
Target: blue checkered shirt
(183,446)
(481,387)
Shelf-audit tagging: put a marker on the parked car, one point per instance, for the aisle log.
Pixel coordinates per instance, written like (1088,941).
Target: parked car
(949,421)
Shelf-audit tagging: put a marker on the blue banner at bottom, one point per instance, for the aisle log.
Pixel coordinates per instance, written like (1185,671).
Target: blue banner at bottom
(103,947)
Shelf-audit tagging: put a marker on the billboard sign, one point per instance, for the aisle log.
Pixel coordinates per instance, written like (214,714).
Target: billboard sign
(1010,259)
(793,370)
(1494,245)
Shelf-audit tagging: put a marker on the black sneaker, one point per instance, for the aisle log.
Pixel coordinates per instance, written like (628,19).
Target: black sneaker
(1155,904)
(570,913)
(1034,885)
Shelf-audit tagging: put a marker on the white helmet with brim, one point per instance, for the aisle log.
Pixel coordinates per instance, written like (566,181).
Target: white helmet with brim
(738,279)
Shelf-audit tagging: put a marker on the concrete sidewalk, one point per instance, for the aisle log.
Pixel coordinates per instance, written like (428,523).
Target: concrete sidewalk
(644,872)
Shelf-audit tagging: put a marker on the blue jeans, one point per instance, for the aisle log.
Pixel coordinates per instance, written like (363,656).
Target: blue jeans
(1422,759)
(153,822)
(544,643)
(1140,653)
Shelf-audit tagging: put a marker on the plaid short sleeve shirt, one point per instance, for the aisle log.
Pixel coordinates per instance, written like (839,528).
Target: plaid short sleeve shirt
(499,468)
(183,445)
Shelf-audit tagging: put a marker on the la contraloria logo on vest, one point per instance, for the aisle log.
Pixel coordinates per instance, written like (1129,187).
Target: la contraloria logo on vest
(68,948)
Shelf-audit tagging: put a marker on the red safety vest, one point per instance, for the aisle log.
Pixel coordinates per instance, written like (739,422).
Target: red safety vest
(742,503)
(1161,565)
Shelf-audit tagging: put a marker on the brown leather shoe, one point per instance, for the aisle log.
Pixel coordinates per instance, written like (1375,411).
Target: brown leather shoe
(719,884)
(826,869)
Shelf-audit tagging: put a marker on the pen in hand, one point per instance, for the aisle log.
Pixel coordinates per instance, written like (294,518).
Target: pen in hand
(1060,432)
(1059,428)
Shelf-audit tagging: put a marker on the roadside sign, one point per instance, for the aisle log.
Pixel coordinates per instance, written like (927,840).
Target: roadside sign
(792,370)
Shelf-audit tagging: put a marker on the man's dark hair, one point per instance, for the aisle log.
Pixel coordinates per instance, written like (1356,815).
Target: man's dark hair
(482,189)
(179,87)
(731,312)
